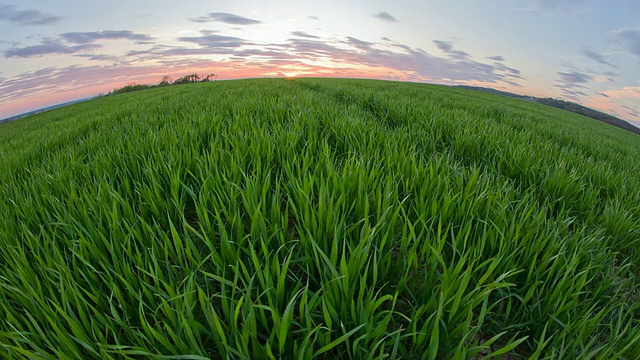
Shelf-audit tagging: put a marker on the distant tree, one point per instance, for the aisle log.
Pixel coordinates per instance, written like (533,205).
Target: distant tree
(187,79)
(208,78)
(182,80)
(129,88)
(166,80)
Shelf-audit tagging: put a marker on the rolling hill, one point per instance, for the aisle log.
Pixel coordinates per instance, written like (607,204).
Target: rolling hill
(566,105)
(318,218)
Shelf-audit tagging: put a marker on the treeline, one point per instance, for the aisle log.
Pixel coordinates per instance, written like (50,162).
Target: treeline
(588,112)
(564,105)
(166,81)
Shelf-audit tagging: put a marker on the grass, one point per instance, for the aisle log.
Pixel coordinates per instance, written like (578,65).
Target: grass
(318,218)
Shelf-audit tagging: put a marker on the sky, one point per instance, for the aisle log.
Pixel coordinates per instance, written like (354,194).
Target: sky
(586,51)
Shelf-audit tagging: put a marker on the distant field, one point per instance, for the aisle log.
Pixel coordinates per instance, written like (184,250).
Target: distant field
(318,218)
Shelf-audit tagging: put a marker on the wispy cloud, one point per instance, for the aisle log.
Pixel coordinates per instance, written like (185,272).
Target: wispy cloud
(631,111)
(416,64)
(629,38)
(214,41)
(233,57)
(304,35)
(447,48)
(340,57)
(74,42)
(603,79)
(385,16)
(597,57)
(496,58)
(618,97)
(359,44)
(113,59)
(47,47)
(15,16)
(572,83)
(74,81)
(627,92)
(509,71)
(92,37)
(574,78)
(225,18)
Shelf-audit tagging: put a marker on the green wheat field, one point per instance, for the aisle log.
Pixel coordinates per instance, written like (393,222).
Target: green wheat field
(318,218)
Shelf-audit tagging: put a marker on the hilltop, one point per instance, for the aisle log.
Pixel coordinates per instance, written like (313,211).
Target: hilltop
(38,111)
(318,218)
(565,105)
(194,78)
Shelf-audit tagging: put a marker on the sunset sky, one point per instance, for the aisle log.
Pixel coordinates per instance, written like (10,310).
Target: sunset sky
(587,51)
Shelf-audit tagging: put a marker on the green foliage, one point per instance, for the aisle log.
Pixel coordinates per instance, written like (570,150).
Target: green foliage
(189,79)
(131,88)
(317,218)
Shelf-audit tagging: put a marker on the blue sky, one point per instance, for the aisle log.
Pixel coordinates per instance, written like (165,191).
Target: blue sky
(586,51)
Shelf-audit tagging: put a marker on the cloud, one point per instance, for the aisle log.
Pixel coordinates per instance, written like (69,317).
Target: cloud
(225,18)
(572,82)
(414,64)
(359,44)
(348,56)
(91,37)
(629,39)
(26,17)
(209,47)
(603,79)
(234,57)
(631,111)
(56,85)
(119,60)
(304,35)
(509,71)
(214,41)
(385,16)
(63,84)
(45,48)
(447,48)
(496,58)
(620,101)
(627,92)
(573,79)
(314,18)
(599,58)
(568,6)
(73,42)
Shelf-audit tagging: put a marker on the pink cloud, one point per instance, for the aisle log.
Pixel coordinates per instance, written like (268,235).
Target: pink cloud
(240,58)
(627,92)
(52,86)
(618,102)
